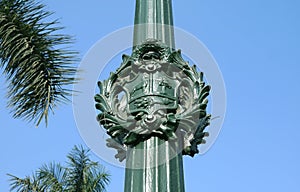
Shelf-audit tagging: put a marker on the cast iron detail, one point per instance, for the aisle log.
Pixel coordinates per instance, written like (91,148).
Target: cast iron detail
(154,93)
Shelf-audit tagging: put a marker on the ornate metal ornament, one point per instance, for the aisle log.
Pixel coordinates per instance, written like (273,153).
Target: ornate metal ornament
(154,93)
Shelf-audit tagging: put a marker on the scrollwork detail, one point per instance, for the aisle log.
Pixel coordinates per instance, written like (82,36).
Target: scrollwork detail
(162,95)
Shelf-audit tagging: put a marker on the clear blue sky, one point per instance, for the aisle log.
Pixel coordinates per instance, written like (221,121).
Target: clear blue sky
(256,44)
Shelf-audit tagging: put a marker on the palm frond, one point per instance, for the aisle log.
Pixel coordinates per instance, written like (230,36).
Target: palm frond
(97,179)
(85,174)
(35,59)
(28,184)
(52,177)
(81,175)
(78,161)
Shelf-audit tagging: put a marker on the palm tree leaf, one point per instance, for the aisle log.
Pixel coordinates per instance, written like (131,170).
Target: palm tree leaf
(78,161)
(28,184)
(84,174)
(98,179)
(53,177)
(81,175)
(36,61)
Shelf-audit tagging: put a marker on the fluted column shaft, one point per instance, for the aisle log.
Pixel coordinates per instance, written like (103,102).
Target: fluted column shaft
(154,20)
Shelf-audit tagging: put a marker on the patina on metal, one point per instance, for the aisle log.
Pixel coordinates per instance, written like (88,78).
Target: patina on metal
(154,105)
(154,20)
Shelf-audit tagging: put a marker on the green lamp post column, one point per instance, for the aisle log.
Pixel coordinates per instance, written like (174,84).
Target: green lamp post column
(151,168)
(154,20)
(154,105)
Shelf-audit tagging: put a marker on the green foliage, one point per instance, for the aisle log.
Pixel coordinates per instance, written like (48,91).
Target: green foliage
(81,175)
(35,59)
(28,184)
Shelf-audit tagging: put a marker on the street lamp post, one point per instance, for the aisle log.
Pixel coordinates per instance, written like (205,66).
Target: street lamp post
(154,105)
